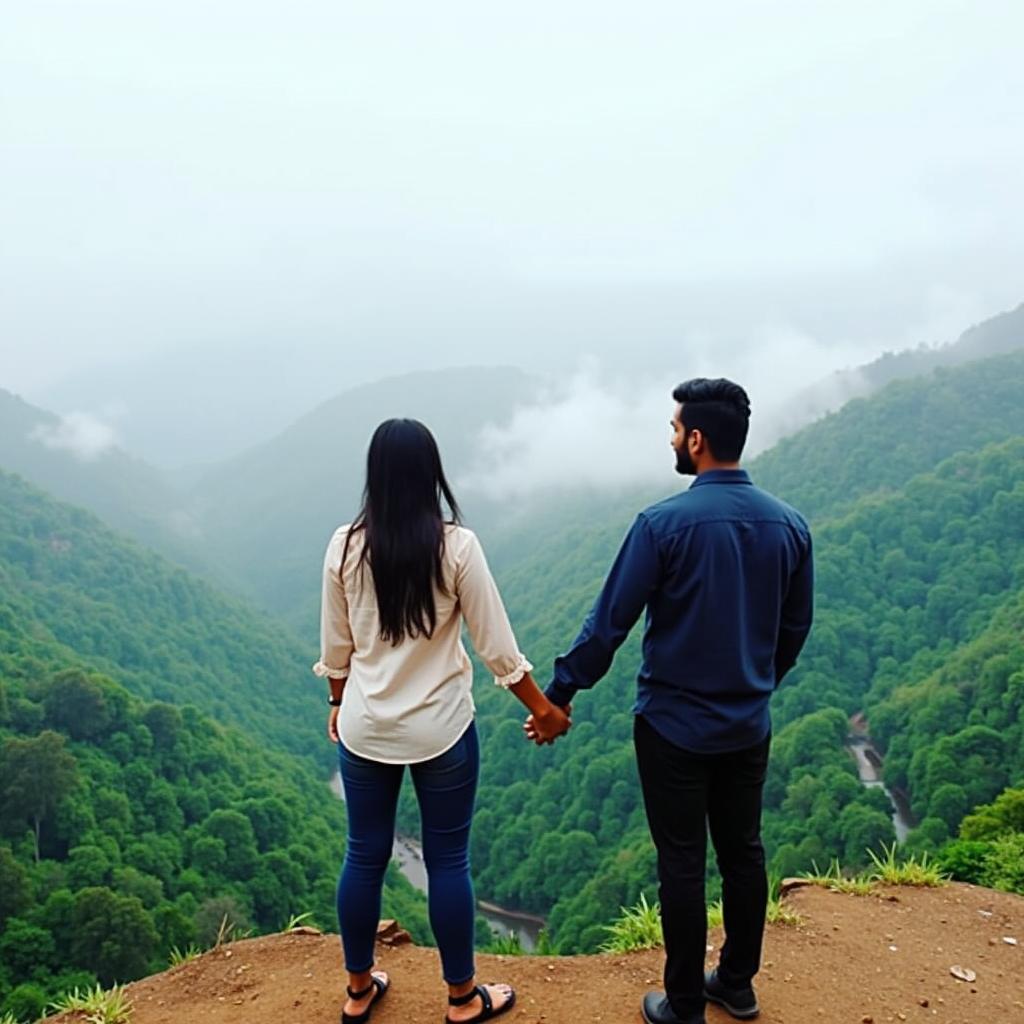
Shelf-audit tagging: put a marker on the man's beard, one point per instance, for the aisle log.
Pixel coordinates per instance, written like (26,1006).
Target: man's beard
(684,464)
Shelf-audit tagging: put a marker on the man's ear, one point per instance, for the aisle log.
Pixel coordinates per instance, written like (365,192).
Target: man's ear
(695,441)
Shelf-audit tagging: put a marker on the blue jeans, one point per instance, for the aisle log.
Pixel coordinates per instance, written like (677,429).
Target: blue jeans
(446,791)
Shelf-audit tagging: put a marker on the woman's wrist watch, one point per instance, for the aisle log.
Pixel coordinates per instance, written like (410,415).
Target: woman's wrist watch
(335,703)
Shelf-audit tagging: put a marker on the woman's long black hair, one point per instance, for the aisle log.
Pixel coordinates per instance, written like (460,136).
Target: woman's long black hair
(404,527)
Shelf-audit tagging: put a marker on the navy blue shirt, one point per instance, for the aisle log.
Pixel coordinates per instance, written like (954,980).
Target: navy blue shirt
(726,575)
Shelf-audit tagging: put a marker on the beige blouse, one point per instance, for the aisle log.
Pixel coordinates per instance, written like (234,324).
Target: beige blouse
(411,702)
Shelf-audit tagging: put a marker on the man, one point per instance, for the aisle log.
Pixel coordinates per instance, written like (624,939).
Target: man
(724,571)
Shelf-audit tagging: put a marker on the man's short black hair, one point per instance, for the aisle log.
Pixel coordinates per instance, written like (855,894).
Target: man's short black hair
(720,410)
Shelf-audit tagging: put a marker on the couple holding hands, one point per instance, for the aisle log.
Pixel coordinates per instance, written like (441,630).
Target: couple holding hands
(724,573)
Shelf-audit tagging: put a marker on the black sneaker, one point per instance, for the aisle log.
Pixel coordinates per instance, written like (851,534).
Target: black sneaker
(741,1003)
(656,1009)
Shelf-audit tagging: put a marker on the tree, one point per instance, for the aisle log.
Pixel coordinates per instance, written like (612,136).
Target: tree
(26,1002)
(113,935)
(235,831)
(37,774)
(24,948)
(76,704)
(88,865)
(164,722)
(949,804)
(15,888)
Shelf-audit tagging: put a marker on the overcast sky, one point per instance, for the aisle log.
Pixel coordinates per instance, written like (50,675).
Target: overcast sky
(217,214)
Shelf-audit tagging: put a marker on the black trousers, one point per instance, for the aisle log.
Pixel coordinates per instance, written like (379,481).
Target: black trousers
(685,794)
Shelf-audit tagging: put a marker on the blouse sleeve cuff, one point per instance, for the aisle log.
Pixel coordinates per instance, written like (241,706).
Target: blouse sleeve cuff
(515,676)
(321,670)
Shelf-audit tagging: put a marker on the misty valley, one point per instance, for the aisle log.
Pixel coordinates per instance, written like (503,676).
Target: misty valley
(165,774)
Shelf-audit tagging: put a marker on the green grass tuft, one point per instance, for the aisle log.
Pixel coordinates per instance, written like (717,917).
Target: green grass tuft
(909,871)
(833,878)
(229,932)
(716,914)
(639,927)
(183,956)
(96,1005)
(778,912)
(506,945)
(296,919)
(888,870)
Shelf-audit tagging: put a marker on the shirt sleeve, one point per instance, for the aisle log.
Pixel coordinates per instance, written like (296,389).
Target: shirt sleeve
(336,643)
(797,614)
(634,574)
(482,608)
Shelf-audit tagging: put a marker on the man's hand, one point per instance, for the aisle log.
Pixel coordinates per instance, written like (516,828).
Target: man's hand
(332,725)
(547,725)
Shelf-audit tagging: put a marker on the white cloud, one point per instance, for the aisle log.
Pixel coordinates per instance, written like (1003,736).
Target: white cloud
(83,434)
(607,431)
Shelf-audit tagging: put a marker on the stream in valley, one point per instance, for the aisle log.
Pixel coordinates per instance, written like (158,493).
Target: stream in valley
(409,855)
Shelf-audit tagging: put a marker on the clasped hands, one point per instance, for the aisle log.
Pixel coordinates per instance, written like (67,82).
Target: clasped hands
(547,725)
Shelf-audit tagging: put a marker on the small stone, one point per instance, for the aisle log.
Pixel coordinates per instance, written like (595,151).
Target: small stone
(963,973)
(1009,940)
(922,1002)
(867,1019)
(901,1016)
(789,884)
(893,949)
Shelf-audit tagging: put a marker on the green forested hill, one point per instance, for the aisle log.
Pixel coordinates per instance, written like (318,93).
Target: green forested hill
(955,738)
(152,627)
(876,444)
(906,576)
(130,829)
(131,821)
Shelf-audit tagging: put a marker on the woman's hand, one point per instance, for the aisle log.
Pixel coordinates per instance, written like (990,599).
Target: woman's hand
(547,725)
(332,725)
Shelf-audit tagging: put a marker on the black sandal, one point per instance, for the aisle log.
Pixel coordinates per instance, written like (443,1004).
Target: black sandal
(362,1018)
(488,1011)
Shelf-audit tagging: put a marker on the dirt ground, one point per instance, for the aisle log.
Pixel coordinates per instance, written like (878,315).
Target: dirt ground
(857,959)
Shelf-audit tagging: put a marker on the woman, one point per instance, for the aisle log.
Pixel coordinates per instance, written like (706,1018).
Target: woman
(398,582)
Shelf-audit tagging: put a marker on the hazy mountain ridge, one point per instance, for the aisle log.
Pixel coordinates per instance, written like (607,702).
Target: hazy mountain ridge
(126,492)
(258,521)
(997,335)
(149,625)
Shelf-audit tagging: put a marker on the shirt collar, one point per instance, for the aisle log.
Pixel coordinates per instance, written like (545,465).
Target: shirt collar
(723,476)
